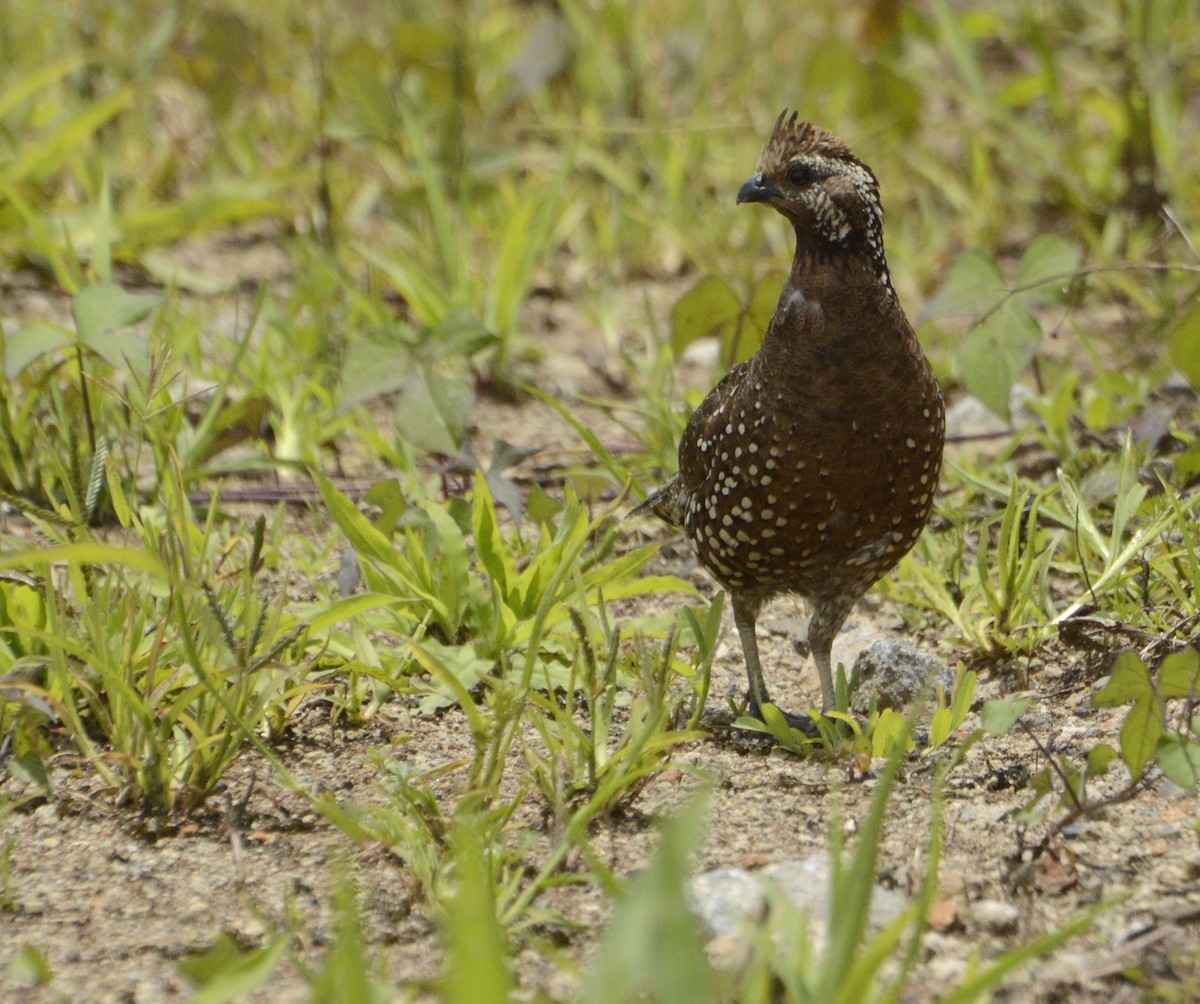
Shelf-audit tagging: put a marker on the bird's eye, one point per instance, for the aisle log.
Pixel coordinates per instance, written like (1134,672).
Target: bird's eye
(800,175)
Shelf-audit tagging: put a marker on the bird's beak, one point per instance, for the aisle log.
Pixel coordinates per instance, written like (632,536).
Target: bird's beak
(756,189)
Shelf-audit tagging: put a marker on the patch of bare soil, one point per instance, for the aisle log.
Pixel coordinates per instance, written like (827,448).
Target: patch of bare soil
(113,901)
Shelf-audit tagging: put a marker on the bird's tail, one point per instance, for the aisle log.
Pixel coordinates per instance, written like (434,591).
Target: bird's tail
(666,503)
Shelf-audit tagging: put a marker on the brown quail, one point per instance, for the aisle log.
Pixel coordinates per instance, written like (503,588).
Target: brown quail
(811,467)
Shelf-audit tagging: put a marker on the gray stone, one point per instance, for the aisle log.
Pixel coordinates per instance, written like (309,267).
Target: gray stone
(732,902)
(725,898)
(893,672)
(995,916)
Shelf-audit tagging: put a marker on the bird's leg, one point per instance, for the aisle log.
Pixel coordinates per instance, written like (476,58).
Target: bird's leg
(827,620)
(744,615)
(828,694)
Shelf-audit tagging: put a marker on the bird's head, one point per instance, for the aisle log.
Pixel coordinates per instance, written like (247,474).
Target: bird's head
(831,197)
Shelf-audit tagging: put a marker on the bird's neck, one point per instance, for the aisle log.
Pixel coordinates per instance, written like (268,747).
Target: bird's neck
(856,259)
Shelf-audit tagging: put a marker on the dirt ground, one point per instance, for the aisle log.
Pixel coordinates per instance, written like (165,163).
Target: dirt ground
(113,902)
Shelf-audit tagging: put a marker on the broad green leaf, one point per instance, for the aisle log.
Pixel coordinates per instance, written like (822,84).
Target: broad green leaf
(27,965)
(389,497)
(432,412)
(939,727)
(998,716)
(1179,757)
(227,974)
(964,694)
(459,333)
(741,340)
(455,670)
(1129,681)
(1099,758)
(100,308)
(448,555)
(32,341)
(371,365)
(1140,734)
(1185,343)
(1178,674)
(349,608)
(891,730)
(707,310)
(540,507)
(973,285)
(995,353)
(1047,255)
(30,767)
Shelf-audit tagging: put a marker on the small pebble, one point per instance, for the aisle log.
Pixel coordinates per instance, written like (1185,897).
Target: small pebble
(995,916)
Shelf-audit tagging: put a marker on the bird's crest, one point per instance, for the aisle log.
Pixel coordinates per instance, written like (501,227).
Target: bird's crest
(792,138)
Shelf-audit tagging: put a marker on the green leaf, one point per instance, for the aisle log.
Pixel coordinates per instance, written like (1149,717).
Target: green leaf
(35,78)
(998,716)
(362,534)
(424,295)
(1099,758)
(540,507)
(448,556)
(85,554)
(31,768)
(1047,255)
(652,950)
(477,970)
(707,310)
(1179,757)
(228,974)
(432,412)
(743,339)
(891,733)
(349,608)
(32,341)
(41,158)
(493,552)
(100,308)
(224,204)
(1140,734)
(459,333)
(939,727)
(1185,343)
(28,965)
(1178,675)
(370,365)
(1129,681)
(995,352)
(973,285)
(964,694)
(389,497)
